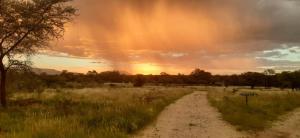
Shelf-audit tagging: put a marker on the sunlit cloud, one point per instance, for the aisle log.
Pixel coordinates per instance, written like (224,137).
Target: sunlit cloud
(142,36)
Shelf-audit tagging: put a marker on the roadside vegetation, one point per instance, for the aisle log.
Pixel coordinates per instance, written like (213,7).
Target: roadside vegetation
(263,108)
(91,112)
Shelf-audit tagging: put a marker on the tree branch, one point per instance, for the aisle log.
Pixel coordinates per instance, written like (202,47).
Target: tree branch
(7,36)
(26,34)
(18,64)
(17,43)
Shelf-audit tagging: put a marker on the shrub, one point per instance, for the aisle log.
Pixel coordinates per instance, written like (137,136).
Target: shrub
(139,81)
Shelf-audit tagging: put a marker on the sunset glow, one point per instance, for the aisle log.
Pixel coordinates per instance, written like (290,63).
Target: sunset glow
(142,36)
(146,69)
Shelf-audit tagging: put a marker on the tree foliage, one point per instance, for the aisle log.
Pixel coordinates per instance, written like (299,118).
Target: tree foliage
(26,27)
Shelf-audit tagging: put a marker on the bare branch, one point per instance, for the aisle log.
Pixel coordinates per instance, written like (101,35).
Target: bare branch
(18,65)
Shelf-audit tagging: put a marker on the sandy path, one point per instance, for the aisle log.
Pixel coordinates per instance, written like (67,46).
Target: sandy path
(190,117)
(289,127)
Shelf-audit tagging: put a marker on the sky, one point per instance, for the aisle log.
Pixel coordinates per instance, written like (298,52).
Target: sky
(177,36)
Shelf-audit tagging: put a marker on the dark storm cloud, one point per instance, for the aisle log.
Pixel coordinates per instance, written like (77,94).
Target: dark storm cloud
(284,16)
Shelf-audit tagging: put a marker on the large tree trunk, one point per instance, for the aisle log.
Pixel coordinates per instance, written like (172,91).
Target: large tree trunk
(2,85)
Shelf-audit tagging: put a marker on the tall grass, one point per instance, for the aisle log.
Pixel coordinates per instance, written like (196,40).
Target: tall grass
(259,113)
(107,113)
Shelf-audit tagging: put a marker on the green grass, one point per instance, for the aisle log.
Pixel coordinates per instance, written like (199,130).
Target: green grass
(261,111)
(93,113)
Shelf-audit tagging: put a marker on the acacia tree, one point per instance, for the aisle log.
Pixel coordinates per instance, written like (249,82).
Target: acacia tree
(25,27)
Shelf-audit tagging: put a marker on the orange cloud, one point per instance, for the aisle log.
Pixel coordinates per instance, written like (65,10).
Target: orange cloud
(161,35)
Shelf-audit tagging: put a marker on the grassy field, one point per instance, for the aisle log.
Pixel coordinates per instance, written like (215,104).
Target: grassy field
(261,110)
(100,112)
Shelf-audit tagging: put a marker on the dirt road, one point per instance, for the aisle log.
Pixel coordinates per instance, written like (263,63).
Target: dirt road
(190,117)
(288,127)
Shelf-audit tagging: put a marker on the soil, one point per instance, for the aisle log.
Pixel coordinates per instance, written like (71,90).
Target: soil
(190,117)
(193,117)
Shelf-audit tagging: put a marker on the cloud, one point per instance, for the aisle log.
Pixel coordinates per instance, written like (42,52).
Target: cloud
(281,65)
(214,34)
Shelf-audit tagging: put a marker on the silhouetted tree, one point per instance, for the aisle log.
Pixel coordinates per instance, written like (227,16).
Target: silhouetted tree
(164,74)
(200,76)
(139,81)
(92,73)
(111,76)
(252,78)
(268,75)
(296,80)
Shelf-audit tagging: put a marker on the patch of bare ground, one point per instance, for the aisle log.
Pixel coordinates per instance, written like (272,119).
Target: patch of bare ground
(287,127)
(191,117)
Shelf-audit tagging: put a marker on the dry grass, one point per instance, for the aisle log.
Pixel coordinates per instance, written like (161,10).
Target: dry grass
(261,111)
(101,112)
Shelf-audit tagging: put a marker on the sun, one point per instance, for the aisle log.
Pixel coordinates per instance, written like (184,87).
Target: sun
(146,68)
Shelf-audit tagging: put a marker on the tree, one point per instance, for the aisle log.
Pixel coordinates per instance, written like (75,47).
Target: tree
(92,73)
(290,79)
(111,76)
(139,80)
(164,74)
(268,74)
(201,76)
(26,26)
(252,78)
(296,80)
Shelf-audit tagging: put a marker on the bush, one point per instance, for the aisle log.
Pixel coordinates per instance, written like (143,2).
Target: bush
(139,81)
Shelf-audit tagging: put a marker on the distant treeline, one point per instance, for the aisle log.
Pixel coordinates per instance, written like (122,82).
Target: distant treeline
(29,81)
